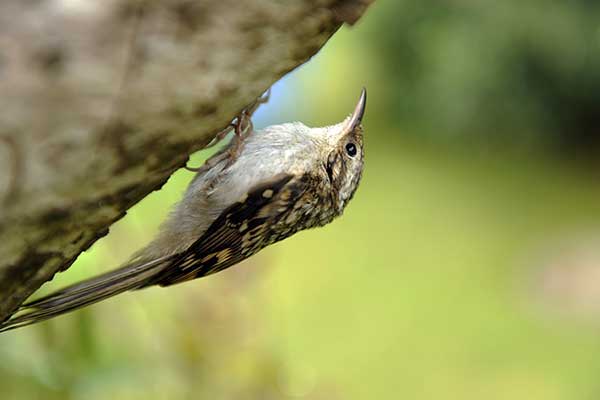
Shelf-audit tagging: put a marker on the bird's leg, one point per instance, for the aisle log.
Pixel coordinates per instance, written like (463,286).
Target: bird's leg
(261,100)
(242,126)
(217,157)
(220,136)
(211,162)
(246,113)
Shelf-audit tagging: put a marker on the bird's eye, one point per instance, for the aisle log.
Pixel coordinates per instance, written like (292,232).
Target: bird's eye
(351,149)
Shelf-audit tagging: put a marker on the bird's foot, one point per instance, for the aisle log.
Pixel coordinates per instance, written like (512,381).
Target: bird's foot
(242,126)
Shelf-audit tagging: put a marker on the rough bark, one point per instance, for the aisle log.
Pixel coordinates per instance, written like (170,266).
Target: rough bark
(102,101)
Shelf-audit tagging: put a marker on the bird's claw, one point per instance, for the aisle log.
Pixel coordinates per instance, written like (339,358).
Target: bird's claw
(251,109)
(242,126)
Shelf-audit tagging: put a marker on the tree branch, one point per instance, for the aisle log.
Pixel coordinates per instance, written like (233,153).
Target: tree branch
(102,101)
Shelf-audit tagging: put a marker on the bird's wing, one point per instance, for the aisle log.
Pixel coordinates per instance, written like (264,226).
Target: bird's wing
(240,231)
(235,235)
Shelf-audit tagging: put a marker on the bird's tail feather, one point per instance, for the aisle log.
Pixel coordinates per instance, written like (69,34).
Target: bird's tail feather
(129,277)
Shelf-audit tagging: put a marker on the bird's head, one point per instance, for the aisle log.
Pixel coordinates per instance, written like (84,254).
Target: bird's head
(334,152)
(343,158)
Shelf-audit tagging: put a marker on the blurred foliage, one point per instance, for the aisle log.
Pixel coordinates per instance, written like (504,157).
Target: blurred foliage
(455,273)
(518,69)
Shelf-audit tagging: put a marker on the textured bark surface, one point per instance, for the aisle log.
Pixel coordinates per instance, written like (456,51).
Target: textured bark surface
(102,101)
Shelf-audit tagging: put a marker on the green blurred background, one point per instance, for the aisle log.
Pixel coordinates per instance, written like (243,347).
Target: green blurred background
(466,267)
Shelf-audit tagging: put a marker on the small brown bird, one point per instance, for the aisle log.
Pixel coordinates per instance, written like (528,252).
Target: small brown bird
(263,187)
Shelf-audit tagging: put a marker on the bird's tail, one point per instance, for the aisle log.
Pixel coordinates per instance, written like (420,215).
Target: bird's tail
(129,277)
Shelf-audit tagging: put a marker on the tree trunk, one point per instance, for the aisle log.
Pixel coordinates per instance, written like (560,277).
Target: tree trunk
(102,101)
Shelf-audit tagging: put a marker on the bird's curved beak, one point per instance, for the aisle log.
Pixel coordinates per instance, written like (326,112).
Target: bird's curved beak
(359,111)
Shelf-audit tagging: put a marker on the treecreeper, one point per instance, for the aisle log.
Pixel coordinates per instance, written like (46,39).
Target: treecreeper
(262,187)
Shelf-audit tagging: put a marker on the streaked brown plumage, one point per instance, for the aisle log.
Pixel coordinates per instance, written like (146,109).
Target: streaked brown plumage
(283,179)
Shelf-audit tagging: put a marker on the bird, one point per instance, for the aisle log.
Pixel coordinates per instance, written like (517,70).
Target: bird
(260,188)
